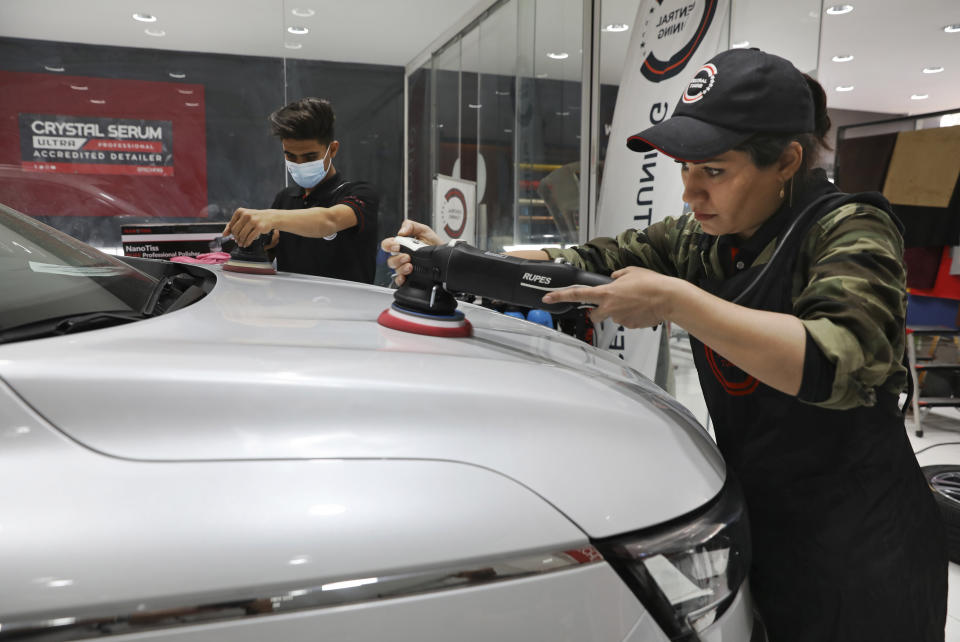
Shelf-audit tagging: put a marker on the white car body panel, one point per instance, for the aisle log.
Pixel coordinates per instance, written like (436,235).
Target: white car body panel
(290,367)
(213,528)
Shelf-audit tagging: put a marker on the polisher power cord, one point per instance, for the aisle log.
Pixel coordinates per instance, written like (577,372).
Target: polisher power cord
(439,271)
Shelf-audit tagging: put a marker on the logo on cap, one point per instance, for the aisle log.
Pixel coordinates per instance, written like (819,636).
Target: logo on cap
(701,84)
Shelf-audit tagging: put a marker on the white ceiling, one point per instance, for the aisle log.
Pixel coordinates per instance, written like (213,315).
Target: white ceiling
(891,40)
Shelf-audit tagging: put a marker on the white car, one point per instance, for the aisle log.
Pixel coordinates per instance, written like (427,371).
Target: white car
(193,454)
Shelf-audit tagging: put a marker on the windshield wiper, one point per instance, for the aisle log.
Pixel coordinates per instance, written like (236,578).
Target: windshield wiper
(66,325)
(172,293)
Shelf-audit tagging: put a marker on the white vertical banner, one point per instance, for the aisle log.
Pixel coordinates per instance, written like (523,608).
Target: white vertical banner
(455,209)
(671,40)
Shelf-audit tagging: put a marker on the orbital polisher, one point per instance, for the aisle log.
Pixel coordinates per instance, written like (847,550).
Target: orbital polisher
(252,259)
(425,303)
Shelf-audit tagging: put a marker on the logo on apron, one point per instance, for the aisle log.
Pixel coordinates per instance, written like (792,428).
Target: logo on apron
(734,380)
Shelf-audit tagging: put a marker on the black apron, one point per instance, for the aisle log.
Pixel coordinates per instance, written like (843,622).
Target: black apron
(847,541)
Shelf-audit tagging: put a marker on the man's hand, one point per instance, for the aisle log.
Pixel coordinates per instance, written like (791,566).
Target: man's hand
(400,262)
(637,298)
(247,225)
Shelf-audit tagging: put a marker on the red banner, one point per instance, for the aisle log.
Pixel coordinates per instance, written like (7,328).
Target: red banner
(132,147)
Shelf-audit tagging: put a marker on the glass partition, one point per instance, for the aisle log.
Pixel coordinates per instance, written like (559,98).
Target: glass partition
(96,136)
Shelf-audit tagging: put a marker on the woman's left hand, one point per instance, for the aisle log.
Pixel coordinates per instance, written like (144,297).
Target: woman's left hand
(637,298)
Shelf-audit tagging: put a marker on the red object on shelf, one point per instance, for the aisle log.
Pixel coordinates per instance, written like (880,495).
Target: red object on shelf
(946,285)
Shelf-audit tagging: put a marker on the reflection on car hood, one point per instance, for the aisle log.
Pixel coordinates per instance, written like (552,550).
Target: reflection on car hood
(294,367)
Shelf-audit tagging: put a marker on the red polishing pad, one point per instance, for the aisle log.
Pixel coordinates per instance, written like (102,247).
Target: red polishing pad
(405,321)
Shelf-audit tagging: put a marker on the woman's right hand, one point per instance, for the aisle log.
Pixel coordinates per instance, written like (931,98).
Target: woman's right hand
(399,262)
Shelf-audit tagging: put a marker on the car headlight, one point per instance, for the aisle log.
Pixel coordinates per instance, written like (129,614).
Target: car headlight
(687,572)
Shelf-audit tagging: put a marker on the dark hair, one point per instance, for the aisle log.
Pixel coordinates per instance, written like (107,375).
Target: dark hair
(765,148)
(304,119)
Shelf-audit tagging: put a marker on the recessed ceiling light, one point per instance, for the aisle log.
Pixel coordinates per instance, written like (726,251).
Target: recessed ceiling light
(156,33)
(185,92)
(302,13)
(97,101)
(919,96)
(474,106)
(845,88)
(839,9)
(79,87)
(53,69)
(293,45)
(192,104)
(563,55)
(177,74)
(541,75)
(616,28)
(743,44)
(298,31)
(932,70)
(846,58)
(144,17)
(952,28)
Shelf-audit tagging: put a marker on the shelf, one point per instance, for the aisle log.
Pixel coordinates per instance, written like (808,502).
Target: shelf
(931,402)
(926,363)
(936,366)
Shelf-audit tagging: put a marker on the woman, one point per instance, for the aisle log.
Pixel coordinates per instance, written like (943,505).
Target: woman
(794,297)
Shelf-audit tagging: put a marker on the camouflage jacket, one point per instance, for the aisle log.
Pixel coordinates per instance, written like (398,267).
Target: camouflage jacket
(849,287)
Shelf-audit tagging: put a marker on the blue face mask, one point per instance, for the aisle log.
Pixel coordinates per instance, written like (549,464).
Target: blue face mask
(307,175)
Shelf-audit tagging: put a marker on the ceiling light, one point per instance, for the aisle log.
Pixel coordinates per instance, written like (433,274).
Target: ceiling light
(541,75)
(563,113)
(52,68)
(97,101)
(919,96)
(79,87)
(185,92)
(839,9)
(563,55)
(932,70)
(952,28)
(177,74)
(845,88)
(474,106)
(845,58)
(743,44)
(192,104)
(298,31)
(502,93)
(302,13)
(144,17)
(293,45)
(156,33)
(616,28)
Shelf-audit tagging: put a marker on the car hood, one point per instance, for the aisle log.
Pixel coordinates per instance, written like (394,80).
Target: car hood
(294,367)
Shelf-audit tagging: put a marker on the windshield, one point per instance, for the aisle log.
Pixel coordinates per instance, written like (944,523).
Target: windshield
(45,274)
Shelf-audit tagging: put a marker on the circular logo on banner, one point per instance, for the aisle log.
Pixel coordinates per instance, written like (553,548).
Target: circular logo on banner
(702,83)
(453,213)
(734,380)
(670,34)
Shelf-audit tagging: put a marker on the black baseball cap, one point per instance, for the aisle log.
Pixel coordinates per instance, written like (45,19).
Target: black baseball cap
(735,95)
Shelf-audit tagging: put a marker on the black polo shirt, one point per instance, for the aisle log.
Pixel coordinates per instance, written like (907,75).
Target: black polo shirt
(349,254)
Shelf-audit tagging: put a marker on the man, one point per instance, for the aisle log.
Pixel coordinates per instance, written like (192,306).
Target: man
(324,225)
